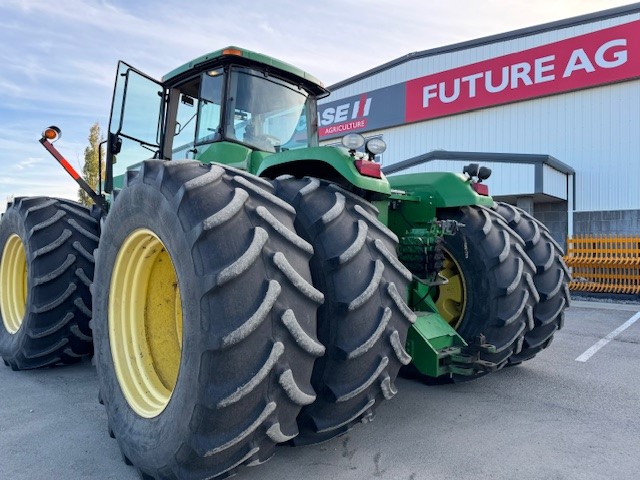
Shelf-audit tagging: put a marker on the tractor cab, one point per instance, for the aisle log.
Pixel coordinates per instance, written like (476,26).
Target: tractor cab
(232,106)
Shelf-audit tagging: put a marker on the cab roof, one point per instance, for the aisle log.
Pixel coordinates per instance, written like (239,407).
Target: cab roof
(247,55)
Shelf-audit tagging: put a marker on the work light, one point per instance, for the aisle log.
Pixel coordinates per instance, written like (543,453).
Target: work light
(353,141)
(375,146)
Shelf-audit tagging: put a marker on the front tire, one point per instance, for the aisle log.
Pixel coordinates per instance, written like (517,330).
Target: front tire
(46,269)
(205,320)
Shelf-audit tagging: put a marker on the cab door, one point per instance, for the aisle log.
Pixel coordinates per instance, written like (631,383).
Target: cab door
(136,123)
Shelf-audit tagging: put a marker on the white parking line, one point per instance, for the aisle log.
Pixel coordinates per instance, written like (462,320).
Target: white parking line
(602,342)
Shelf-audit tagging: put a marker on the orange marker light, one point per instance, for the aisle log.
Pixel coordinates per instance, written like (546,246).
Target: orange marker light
(52,133)
(232,51)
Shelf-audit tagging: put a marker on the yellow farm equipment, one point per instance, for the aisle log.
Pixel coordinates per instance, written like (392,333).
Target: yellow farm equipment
(604,263)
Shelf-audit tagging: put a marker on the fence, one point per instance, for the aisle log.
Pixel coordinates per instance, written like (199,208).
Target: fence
(604,263)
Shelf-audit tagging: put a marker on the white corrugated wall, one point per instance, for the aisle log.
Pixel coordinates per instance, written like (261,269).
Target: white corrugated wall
(555,182)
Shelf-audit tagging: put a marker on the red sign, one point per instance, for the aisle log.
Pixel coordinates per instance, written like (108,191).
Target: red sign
(605,56)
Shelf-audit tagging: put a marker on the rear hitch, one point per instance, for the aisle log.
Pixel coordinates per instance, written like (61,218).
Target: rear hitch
(469,362)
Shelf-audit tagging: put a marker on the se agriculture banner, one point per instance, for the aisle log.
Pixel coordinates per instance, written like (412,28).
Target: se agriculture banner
(369,111)
(605,56)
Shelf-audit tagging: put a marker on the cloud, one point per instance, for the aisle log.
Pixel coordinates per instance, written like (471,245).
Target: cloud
(26,163)
(10,88)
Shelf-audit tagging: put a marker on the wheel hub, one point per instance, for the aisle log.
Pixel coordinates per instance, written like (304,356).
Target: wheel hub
(13,286)
(451,296)
(145,323)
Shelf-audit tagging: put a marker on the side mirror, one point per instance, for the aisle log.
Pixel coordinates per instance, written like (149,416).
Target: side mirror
(114,145)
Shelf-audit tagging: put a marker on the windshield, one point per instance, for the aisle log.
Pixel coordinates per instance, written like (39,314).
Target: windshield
(267,113)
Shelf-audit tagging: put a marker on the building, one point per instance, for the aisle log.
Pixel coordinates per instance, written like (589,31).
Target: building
(553,110)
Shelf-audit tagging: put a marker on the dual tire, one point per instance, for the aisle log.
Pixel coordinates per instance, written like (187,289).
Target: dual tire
(507,282)
(495,294)
(46,269)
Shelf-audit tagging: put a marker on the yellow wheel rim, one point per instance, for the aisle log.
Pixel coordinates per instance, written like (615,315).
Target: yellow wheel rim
(145,323)
(13,289)
(451,300)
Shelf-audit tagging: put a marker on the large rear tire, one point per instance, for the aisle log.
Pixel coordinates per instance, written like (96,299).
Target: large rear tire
(205,320)
(551,279)
(490,290)
(46,269)
(364,319)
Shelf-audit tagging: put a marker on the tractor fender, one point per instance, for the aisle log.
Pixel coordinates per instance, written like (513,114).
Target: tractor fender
(328,163)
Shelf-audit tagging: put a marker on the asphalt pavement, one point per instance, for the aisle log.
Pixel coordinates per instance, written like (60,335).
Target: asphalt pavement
(553,417)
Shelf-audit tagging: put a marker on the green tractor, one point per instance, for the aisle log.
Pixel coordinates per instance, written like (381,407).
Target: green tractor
(240,286)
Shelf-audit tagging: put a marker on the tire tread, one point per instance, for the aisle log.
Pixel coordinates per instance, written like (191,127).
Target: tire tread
(550,278)
(363,310)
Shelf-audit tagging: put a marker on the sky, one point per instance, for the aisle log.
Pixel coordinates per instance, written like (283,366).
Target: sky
(58,58)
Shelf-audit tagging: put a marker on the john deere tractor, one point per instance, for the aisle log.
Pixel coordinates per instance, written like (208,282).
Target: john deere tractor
(240,286)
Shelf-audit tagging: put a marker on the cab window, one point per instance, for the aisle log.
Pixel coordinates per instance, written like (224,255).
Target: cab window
(267,113)
(210,106)
(183,141)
